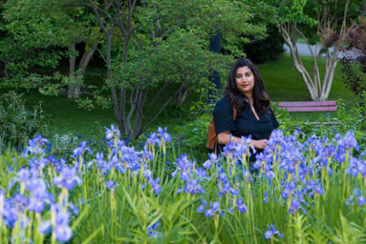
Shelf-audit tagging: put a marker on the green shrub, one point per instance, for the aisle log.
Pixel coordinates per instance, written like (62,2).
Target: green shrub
(17,124)
(193,135)
(353,119)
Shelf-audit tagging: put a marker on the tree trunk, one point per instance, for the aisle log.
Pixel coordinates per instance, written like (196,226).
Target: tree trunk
(72,61)
(331,65)
(139,113)
(88,54)
(182,96)
(284,30)
(326,30)
(74,90)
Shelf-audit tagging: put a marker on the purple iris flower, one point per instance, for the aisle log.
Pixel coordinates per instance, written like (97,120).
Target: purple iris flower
(213,159)
(193,187)
(315,187)
(265,197)
(36,183)
(112,133)
(58,164)
(277,138)
(202,173)
(35,145)
(340,155)
(39,198)
(99,159)
(271,232)
(130,158)
(349,201)
(225,188)
(61,227)
(349,141)
(241,206)
(164,135)
(296,203)
(10,213)
(155,185)
(242,147)
(247,176)
(113,161)
(146,155)
(184,166)
(24,176)
(357,195)
(222,177)
(356,167)
(147,173)
(20,202)
(288,190)
(361,201)
(111,185)
(81,149)
(151,231)
(214,207)
(203,205)
(38,163)
(261,160)
(74,209)
(67,179)
(268,173)
(152,140)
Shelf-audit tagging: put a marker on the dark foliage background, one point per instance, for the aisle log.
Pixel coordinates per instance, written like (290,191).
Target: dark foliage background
(270,48)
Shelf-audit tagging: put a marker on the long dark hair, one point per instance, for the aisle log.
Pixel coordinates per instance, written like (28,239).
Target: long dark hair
(260,97)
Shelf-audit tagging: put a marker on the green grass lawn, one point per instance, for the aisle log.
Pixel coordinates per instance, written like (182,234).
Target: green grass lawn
(282,82)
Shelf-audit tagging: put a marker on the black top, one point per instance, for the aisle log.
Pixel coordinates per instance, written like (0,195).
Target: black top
(245,123)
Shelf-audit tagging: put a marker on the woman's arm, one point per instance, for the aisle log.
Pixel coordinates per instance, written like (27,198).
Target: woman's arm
(224,138)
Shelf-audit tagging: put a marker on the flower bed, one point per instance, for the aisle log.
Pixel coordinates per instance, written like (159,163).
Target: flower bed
(311,191)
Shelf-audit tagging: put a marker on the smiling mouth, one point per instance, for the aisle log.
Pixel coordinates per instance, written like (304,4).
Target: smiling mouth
(245,85)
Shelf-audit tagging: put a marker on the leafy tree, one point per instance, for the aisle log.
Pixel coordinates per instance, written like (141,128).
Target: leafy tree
(163,45)
(37,33)
(325,21)
(354,61)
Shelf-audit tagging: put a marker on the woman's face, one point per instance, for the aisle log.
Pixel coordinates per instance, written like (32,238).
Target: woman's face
(244,80)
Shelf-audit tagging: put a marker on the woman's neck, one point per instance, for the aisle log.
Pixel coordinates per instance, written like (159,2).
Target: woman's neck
(250,97)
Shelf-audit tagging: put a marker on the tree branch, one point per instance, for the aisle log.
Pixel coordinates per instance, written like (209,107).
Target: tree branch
(162,108)
(157,95)
(6,73)
(171,29)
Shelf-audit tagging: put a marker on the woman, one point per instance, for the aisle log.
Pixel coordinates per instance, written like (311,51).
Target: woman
(245,92)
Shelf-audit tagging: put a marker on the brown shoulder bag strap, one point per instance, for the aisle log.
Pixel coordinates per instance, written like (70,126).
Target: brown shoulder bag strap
(235,113)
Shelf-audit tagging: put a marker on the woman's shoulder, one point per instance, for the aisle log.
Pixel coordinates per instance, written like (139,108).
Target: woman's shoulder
(224,102)
(223,105)
(270,109)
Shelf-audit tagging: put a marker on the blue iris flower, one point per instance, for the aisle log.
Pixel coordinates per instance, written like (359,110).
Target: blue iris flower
(164,135)
(112,133)
(271,232)
(81,149)
(185,166)
(68,178)
(60,228)
(111,185)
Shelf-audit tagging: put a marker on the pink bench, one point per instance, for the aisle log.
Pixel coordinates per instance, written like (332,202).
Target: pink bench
(314,106)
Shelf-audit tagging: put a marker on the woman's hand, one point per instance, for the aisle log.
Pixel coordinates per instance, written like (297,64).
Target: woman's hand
(259,144)
(224,138)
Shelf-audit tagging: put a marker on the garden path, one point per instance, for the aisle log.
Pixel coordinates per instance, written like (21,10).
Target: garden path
(304,50)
